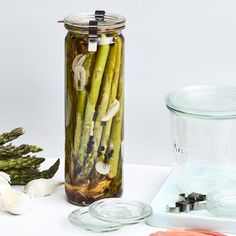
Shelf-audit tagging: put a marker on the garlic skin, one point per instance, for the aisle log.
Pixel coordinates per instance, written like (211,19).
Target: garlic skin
(16,202)
(42,187)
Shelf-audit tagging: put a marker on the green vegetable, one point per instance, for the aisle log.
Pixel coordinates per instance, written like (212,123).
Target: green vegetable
(20,163)
(7,137)
(92,99)
(21,167)
(11,151)
(23,176)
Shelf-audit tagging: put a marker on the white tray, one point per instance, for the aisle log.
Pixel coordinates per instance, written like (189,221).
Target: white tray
(168,195)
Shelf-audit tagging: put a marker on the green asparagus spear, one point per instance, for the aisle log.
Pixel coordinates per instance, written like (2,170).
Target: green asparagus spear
(113,93)
(81,106)
(104,96)
(71,51)
(117,129)
(12,151)
(22,177)
(96,80)
(101,110)
(7,137)
(20,163)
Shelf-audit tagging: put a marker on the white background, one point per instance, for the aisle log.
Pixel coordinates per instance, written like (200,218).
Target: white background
(169,44)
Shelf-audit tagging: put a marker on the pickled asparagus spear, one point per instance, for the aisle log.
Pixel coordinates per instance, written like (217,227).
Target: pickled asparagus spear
(71,51)
(117,130)
(81,106)
(7,137)
(113,93)
(104,97)
(96,80)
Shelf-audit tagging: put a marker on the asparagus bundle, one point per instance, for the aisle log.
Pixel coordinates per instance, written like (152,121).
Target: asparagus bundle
(21,167)
(98,120)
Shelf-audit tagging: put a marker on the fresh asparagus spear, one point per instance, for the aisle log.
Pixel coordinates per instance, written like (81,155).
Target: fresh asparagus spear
(81,106)
(22,177)
(12,151)
(113,93)
(20,163)
(96,80)
(7,137)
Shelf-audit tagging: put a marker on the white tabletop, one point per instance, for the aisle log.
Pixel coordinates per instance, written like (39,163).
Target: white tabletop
(49,214)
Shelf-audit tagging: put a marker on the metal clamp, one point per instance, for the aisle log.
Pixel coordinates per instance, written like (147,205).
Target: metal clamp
(93,36)
(93,30)
(99,15)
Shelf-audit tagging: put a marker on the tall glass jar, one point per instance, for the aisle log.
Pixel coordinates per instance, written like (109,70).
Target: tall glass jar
(94,106)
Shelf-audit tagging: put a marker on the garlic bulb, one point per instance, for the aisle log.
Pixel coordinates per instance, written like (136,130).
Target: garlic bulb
(4,186)
(16,202)
(5,177)
(43,187)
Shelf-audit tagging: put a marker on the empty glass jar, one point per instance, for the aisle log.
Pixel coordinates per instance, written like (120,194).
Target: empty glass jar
(203,123)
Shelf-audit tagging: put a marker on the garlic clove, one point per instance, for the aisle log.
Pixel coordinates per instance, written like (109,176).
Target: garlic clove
(5,177)
(78,60)
(113,109)
(102,168)
(4,186)
(16,202)
(106,40)
(42,187)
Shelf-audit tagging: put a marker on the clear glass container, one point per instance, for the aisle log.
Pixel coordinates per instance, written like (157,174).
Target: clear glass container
(94,106)
(222,203)
(203,124)
(110,214)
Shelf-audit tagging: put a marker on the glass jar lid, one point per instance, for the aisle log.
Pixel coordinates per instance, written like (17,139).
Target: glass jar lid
(110,214)
(81,21)
(120,211)
(83,219)
(210,102)
(222,203)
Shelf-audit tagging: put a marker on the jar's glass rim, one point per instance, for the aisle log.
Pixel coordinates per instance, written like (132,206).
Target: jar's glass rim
(81,21)
(204,101)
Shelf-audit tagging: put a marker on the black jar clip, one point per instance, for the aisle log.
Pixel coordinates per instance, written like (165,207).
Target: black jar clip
(93,30)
